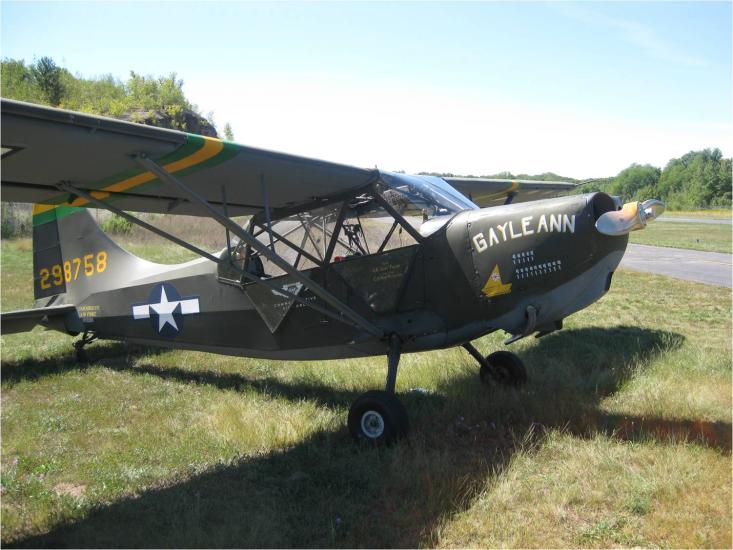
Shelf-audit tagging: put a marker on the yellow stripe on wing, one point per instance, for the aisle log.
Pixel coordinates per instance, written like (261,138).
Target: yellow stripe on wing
(514,186)
(211,148)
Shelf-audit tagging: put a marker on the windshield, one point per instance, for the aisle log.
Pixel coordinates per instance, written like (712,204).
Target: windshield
(426,202)
(420,193)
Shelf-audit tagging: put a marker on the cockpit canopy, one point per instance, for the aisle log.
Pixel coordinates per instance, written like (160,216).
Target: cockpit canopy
(421,195)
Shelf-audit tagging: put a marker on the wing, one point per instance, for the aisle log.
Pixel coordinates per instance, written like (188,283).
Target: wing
(494,192)
(42,147)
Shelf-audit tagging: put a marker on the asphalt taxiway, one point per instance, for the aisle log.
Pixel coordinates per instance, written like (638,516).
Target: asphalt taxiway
(712,268)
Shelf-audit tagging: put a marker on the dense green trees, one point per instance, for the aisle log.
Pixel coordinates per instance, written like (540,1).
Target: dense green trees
(17,82)
(635,182)
(699,179)
(48,76)
(140,98)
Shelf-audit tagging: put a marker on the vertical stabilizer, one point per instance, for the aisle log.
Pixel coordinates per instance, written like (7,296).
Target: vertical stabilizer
(72,256)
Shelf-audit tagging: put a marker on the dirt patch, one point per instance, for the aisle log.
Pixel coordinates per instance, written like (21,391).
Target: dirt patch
(70,489)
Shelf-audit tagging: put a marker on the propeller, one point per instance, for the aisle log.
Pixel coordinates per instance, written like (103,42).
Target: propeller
(632,216)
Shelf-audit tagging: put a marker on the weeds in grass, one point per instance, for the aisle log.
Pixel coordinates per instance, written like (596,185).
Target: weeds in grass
(638,505)
(117,225)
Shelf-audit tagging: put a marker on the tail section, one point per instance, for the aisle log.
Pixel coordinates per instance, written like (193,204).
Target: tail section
(72,256)
(46,255)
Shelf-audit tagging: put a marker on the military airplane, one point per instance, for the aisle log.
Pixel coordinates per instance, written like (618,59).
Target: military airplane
(333,262)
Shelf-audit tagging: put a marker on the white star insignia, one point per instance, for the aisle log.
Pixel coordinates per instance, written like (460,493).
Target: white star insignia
(165,310)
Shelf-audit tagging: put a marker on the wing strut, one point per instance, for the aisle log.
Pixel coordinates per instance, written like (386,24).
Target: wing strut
(264,250)
(196,250)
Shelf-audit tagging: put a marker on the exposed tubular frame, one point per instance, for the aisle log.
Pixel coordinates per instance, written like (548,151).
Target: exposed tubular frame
(235,228)
(258,225)
(283,239)
(343,312)
(196,250)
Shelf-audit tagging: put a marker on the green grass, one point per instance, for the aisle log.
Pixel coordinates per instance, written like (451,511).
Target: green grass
(620,438)
(16,275)
(721,214)
(693,236)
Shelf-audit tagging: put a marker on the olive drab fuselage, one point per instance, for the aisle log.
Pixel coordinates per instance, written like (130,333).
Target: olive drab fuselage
(477,274)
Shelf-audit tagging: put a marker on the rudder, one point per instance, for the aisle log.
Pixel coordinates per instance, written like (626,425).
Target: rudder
(46,254)
(72,255)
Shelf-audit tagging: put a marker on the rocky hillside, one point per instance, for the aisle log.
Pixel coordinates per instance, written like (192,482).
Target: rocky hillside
(185,119)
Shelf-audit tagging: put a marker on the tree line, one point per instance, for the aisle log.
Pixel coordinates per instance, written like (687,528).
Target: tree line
(696,180)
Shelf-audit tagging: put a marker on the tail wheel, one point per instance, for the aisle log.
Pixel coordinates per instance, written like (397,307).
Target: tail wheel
(378,417)
(504,368)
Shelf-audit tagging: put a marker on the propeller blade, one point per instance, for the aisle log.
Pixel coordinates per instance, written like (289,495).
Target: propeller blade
(631,217)
(653,209)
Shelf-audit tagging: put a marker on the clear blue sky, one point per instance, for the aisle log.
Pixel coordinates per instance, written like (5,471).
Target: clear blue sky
(465,87)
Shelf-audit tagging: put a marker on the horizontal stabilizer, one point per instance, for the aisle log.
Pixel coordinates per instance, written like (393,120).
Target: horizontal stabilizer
(24,320)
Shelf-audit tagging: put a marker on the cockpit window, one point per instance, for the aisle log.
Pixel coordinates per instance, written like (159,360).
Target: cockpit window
(427,202)
(362,227)
(301,239)
(419,193)
(367,229)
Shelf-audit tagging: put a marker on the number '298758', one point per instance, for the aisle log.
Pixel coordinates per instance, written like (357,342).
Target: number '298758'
(70,270)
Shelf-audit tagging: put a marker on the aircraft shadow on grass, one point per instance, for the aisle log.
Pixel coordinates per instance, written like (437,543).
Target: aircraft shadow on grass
(326,491)
(33,369)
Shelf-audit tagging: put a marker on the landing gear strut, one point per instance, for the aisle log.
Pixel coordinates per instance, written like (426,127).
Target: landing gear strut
(86,338)
(377,416)
(501,367)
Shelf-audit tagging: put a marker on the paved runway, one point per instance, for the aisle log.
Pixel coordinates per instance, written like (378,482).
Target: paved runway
(711,268)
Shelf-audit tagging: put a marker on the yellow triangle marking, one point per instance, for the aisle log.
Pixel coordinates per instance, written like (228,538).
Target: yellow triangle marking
(494,286)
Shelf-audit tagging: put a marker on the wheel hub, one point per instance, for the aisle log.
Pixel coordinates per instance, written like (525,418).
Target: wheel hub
(372,424)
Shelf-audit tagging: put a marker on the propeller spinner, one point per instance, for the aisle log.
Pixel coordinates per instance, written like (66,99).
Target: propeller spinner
(632,216)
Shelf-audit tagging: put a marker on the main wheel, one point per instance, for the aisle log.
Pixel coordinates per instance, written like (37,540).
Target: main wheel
(378,417)
(505,368)
(81,356)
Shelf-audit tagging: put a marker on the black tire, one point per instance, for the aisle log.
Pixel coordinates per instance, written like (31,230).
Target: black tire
(81,357)
(378,417)
(504,368)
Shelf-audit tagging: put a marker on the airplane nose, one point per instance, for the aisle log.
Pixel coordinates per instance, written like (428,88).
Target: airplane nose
(505,249)
(632,217)
(532,264)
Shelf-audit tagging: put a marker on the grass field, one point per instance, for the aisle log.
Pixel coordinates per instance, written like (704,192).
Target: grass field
(694,236)
(711,214)
(622,437)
